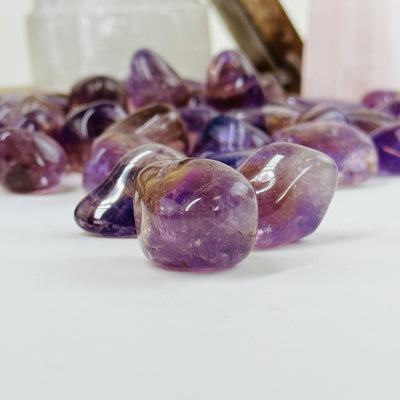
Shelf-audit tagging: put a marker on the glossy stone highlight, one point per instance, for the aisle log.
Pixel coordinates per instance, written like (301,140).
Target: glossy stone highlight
(30,161)
(234,159)
(83,126)
(387,141)
(195,214)
(351,149)
(232,82)
(226,134)
(294,187)
(157,123)
(369,120)
(323,112)
(152,80)
(108,209)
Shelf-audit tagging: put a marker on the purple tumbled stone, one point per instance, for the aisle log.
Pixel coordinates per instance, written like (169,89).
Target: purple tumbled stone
(369,120)
(97,88)
(351,149)
(378,98)
(268,118)
(387,141)
(294,187)
(195,214)
(232,82)
(323,112)
(60,100)
(108,209)
(392,108)
(7,113)
(195,120)
(81,128)
(158,123)
(196,93)
(234,159)
(271,87)
(227,134)
(30,161)
(152,80)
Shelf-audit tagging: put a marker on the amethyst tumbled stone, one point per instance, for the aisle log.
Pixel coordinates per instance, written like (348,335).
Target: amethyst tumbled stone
(30,161)
(108,209)
(152,80)
(83,126)
(387,141)
(294,187)
(232,82)
(351,149)
(227,134)
(195,214)
(379,98)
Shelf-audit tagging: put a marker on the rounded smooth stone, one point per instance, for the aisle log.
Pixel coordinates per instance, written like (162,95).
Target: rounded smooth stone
(351,149)
(369,120)
(392,108)
(7,113)
(97,88)
(378,98)
(323,112)
(195,214)
(387,141)
(83,126)
(152,80)
(271,87)
(232,82)
(294,187)
(158,123)
(108,209)
(30,161)
(227,134)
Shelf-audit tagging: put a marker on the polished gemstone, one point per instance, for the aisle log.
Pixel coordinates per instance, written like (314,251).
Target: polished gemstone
(271,87)
(30,161)
(108,209)
(227,134)
(387,140)
(351,149)
(152,80)
(152,124)
(7,113)
(83,126)
(97,88)
(323,112)
(378,98)
(234,159)
(369,120)
(392,108)
(196,93)
(232,82)
(294,187)
(195,214)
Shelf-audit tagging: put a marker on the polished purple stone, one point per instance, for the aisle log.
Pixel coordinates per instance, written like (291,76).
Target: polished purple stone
(351,149)
(392,108)
(7,113)
(271,87)
(234,159)
(323,112)
(227,134)
(38,102)
(196,93)
(232,82)
(81,128)
(378,98)
(195,120)
(294,187)
(30,161)
(152,124)
(60,100)
(195,214)
(268,118)
(369,120)
(108,209)
(297,102)
(387,141)
(152,80)
(97,88)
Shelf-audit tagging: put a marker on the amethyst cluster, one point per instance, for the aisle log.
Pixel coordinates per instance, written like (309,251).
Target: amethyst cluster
(199,172)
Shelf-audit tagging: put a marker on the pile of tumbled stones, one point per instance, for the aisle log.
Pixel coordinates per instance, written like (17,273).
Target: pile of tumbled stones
(200,172)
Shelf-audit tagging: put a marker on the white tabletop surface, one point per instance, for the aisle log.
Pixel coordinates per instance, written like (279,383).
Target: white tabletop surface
(89,318)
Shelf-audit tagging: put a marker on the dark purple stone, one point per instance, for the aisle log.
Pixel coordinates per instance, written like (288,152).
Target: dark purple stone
(234,159)
(81,128)
(152,80)
(232,83)
(153,124)
(369,120)
(351,149)
(387,141)
(294,187)
(97,88)
(323,112)
(227,134)
(392,108)
(30,161)
(108,209)
(195,214)
(379,98)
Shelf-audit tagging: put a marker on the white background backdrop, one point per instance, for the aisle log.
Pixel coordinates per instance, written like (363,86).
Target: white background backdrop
(15,68)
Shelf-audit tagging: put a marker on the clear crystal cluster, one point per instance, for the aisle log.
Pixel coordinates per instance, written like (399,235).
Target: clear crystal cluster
(199,172)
